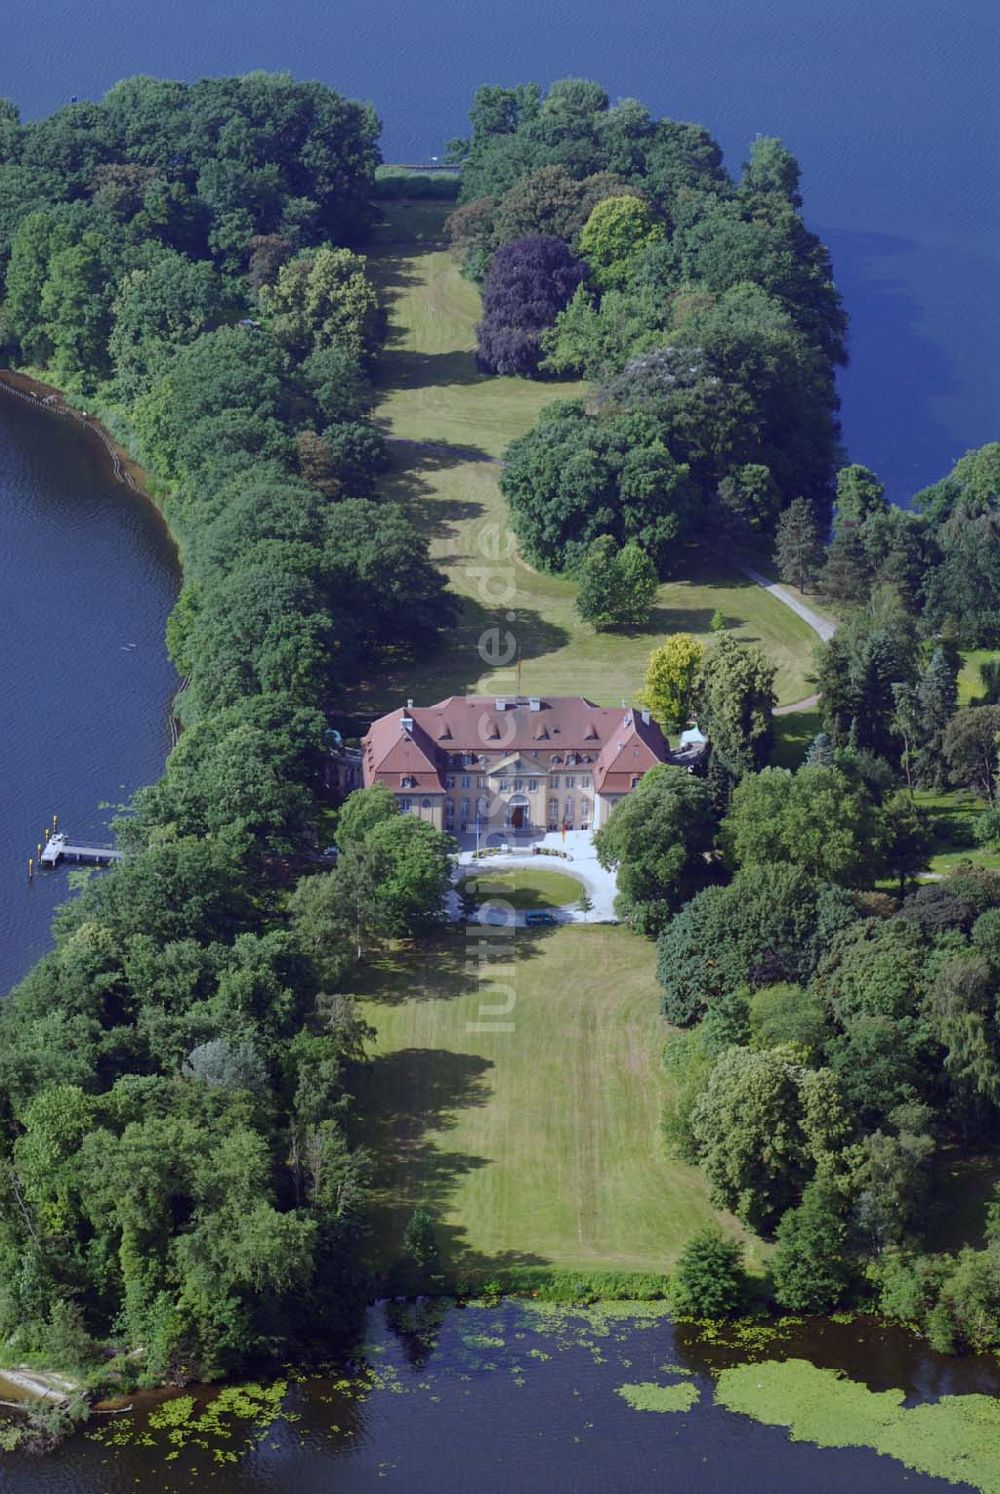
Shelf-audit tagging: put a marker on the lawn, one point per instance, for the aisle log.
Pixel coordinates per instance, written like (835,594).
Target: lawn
(525,888)
(977,678)
(540,1144)
(952,817)
(793,735)
(459,422)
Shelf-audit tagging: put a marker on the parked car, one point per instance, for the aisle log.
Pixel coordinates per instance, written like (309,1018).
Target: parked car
(539,917)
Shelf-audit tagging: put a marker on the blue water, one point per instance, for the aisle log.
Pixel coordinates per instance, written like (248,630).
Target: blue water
(891,106)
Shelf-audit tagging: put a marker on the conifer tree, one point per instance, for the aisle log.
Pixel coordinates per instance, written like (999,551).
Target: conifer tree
(798,550)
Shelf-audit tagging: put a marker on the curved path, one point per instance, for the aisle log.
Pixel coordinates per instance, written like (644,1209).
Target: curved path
(581,863)
(821,626)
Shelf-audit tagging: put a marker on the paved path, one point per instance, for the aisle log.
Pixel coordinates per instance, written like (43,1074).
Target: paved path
(581,863)
(820,625)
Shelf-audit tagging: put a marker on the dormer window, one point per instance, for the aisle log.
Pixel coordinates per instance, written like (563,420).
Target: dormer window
(407,782)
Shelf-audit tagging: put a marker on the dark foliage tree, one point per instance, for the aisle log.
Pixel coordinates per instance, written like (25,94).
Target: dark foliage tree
(529,282)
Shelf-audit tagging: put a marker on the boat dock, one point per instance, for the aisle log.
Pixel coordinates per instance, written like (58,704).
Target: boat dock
(57,848)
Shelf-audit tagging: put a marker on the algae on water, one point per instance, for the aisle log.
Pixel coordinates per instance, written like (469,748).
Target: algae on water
(648,1396)
(956,1438)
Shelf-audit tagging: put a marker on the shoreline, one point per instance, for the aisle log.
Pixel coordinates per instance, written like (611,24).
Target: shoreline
(52,400)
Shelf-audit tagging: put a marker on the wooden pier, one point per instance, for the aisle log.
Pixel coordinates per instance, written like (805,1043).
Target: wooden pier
(58,848)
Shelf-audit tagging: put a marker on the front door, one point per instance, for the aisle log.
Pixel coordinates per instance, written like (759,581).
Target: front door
(517,818)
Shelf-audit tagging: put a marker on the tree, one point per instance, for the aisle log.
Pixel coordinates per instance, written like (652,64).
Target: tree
(413,873)
(810,1268)
(771,923)
(815,818)
(708,1280)
(528,283)
(749,497)
(737,704)
(616,586)
(786,1015)
(819,753)
(772,168)
(585,905)
(614,236)
(575,478)
(906,839)
(362,811)
(892,1185)
(156,311)
(798,547)
(970,749)
(657,837)
(420,1242)
(937,701)
(748,1126)
(671,678)
(859,495)
(320,298)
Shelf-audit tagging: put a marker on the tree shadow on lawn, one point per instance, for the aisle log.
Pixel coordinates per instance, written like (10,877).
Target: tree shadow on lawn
(454,668)
(407,368)
(444,966)
(400,1099)
(676,620)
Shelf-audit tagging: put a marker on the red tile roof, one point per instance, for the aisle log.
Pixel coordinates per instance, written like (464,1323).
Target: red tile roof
(418,741)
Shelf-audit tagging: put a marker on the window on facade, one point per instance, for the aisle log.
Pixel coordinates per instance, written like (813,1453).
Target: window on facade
(554,781)
(449,781)
(504,785)
(635,783)
(466,809)
(569,809)
(405,805)
(571,781)
(425,804)
(449,810)
(518,784)
(585,780)
(480,782)
(465,780)
(532,785)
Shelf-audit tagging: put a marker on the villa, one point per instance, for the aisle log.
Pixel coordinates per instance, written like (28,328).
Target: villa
(516,764)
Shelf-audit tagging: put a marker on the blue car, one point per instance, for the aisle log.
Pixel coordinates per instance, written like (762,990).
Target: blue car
(540,917)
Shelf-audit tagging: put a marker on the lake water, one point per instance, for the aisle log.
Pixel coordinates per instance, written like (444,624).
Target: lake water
(507,1401)
(86,571)
(891,106)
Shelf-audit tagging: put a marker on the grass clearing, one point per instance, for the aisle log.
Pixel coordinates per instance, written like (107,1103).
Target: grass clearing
(792,736)
(526,888)
(540,1145)
(979,676)
(459,422)
(952,816)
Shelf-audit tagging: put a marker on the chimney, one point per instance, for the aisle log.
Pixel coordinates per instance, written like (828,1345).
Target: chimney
(501,704)
(406,723)
(409,705)
(534,704)
(645,717)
